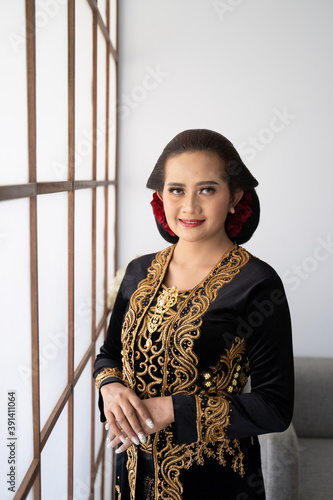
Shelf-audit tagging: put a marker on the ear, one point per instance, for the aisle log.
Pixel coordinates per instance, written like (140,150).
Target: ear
(235,199)
(159,195)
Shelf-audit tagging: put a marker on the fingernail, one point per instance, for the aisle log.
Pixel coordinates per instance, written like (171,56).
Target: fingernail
(122,439)
(135,440)
(107,427)
(108,440)
(117,451)
(142,437)
(109,445)
(150,423)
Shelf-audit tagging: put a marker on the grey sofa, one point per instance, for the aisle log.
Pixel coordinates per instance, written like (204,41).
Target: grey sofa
(298,463)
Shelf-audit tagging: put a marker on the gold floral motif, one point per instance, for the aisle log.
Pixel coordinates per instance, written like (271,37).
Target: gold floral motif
(108,372)
(228,375)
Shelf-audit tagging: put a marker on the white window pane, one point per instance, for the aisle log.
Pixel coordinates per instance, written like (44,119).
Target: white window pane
(82,431)
(53,297)
(54,461)
(101,104)
(15,328)
(98,483)
(83,91)
(113,22)
(52,94)
(111,235)
(82,272)
(100,225)
(112,119)
(13,94)
(102,9)
(99,426)
(108,472)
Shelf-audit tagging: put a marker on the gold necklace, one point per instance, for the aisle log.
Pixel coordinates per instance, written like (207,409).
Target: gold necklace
(167,299)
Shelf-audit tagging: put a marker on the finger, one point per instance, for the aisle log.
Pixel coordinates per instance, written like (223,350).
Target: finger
(127,420)
(110,437)
(114,442)
(140,417)
(142,412)
(128,410)
(116,430)
(124,446)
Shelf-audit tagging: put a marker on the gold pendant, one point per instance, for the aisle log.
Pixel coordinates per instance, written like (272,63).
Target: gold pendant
(166,300)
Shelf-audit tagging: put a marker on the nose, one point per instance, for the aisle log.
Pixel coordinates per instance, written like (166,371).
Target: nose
(191,204)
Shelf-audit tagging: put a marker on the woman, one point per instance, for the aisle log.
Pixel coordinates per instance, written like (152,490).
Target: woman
(189,326)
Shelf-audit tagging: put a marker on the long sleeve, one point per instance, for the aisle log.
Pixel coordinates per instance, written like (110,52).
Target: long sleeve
(264,324)
(108,365)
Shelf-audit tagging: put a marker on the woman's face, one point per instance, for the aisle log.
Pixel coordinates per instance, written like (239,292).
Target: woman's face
(196,196)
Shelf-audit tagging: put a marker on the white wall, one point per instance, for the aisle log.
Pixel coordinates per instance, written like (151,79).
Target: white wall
(234,66)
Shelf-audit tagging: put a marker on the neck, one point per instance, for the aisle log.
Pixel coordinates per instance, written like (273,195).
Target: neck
(200,254)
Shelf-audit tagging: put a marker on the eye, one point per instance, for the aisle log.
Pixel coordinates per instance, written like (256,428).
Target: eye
(207,190)
(176,191)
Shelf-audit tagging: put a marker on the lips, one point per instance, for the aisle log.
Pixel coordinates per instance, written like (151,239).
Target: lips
(191,222)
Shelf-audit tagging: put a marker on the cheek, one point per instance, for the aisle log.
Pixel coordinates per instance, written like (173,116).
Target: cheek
(221,204)
(220,209)
(168,205)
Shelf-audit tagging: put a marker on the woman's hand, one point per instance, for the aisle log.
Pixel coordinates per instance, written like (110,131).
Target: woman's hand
(161,411)
(126,415)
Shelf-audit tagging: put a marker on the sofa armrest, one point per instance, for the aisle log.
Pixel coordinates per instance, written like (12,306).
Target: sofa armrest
(280,464)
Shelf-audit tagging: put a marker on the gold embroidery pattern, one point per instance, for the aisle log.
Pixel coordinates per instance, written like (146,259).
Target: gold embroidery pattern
(230,374)
(166,299)
(132,462)
(118,490)
(176,458)
(212,418)
(188,321)
(196,453)
(139,304)
(108,372)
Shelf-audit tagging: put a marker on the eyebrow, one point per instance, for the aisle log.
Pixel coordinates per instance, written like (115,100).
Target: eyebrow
(202,183)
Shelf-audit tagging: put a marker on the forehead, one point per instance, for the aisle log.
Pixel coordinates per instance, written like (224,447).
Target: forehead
(194,163)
